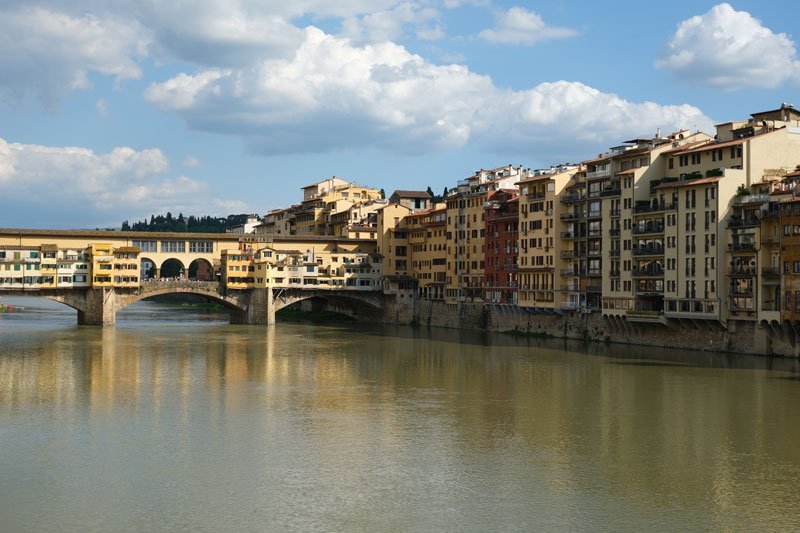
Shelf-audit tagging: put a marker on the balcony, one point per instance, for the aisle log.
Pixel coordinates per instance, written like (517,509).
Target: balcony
(567,272)
(597,174)
(614,213)
(611,191)
(648,272)
(567,254)
(648,249)
(571,198)
(570,235)
(751,199)
(535,195)
(742,247)
(653,207)
(741,292)
(566,217)
(648,229)
(747,222)
(594,288)
(770,239)
(770,271)
(614,232)
(614,252)
(742,271)
(615,273)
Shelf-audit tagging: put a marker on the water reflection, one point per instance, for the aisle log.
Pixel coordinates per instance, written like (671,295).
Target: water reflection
(184,425)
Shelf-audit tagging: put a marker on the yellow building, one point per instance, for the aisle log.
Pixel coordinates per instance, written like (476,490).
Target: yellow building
(127,267)
(427,243)
(102,265)
(546,276)
(323,199)
(317,262)
(466,231)
(392,241)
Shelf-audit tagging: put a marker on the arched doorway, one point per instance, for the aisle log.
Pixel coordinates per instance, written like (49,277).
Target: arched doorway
(172,269)
(149,270)
(201,270)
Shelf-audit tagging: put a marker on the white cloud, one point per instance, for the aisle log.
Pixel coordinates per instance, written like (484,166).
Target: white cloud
(191,162)
(335,95)
(101,107)
(392,24)
(94,187)
(49,54)
(517,25)
(730,50)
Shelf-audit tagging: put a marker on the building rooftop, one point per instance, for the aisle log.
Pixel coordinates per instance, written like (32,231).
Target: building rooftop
(411,194)
(688,183)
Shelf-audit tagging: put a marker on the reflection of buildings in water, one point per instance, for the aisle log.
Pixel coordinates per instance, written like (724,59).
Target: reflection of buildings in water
(645,423)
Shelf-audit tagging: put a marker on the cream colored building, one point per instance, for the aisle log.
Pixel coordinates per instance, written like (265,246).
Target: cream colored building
(427,242)
(316,262)
(392,240)
(545,272)
(20,266)
(466,232)
(323,199)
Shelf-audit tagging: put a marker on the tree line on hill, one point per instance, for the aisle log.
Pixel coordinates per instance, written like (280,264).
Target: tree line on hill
(183,224)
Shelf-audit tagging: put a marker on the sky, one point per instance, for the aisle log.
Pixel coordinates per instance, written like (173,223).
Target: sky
(113,110)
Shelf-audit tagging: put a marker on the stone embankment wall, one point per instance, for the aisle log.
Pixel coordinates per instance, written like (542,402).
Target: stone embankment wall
(748,337)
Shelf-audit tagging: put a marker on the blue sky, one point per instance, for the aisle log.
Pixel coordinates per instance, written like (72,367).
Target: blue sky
(118,109)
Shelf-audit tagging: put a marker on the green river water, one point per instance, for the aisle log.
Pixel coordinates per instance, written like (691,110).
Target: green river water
(176,420)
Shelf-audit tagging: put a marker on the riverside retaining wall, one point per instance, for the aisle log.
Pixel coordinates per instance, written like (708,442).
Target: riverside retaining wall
(745,338)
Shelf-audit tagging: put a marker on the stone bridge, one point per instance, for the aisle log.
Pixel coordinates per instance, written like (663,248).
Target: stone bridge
(98,307)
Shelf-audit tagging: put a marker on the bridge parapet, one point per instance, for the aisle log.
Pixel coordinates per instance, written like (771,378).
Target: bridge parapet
(185,285)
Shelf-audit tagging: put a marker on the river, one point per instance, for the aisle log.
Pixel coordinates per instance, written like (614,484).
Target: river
(176,420)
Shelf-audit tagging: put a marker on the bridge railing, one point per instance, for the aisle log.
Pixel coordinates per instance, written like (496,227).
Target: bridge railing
(183,284)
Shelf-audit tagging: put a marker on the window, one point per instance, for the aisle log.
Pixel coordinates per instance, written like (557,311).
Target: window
(145,246)
(201,247)
(173,246)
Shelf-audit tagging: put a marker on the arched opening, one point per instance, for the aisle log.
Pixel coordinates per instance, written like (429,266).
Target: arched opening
(201,270)
(172,269)
(324,308)
(149,270)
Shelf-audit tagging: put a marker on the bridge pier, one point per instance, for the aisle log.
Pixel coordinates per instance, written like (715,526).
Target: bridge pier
(257,308)
(100,308)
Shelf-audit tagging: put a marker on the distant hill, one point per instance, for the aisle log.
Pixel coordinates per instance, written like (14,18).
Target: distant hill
(182,224)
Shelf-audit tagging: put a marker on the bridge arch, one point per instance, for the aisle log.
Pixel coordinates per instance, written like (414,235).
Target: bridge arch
(149,268)
(201,269)
(172,267)
(359,305)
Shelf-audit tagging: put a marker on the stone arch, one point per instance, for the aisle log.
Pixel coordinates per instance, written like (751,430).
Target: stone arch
(79,304)
(150,268)
(235,307)
(201,269)
(172,267)
(360,307)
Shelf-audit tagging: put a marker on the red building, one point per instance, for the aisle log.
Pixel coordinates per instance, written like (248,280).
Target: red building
(501,220)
